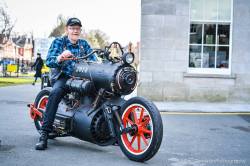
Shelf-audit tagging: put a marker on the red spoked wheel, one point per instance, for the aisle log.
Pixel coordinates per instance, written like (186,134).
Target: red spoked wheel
(42,106)
(137,117)
(40,103)
(144,140)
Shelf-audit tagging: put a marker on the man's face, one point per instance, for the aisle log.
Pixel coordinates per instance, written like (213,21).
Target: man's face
(73,32)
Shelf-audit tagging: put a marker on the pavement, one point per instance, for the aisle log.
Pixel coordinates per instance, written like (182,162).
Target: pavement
(188,140)
(203,107)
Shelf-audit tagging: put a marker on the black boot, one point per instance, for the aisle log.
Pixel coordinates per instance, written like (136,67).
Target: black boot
(43,140)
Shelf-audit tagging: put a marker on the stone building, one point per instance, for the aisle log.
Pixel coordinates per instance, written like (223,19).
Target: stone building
(195,50)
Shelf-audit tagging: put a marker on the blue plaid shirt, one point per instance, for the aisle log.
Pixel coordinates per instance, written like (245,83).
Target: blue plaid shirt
(63,43)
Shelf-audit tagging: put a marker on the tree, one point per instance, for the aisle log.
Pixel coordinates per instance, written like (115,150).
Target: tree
(97,38)
(59,28)
(6,26)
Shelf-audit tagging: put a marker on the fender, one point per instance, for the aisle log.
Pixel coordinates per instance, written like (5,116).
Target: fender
(34,112)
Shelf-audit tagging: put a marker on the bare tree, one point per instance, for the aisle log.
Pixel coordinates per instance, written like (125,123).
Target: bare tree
(59,28)
(6,26)
(97,38)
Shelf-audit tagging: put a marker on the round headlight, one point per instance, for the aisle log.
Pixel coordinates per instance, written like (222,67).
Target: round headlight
(128,58)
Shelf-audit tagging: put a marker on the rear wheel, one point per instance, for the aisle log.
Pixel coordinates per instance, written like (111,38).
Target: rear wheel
(145,139)
(40,103)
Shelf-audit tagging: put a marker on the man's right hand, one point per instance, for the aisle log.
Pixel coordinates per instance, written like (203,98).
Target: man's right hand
(64,54)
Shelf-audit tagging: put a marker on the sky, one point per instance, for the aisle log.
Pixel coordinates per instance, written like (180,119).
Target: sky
(119,19)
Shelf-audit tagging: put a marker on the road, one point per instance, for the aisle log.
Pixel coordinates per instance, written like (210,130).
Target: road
(189,140)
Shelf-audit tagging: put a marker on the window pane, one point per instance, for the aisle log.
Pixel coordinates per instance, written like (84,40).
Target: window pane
(208,57)
(209,33)
(224,11)
(222,57)
(210,10)
(196,33)
(196,9)
(195,56)
(223,34)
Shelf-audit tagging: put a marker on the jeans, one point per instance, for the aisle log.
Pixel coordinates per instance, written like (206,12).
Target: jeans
(55,96)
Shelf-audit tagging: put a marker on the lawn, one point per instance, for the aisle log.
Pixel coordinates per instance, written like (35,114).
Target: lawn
(7,81)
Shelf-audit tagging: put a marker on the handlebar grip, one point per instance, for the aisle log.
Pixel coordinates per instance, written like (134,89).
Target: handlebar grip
(71,58)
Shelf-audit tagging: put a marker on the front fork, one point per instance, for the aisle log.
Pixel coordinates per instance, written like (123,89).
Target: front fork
(111,112)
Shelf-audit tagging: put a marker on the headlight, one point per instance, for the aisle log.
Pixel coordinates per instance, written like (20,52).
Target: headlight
(128,58)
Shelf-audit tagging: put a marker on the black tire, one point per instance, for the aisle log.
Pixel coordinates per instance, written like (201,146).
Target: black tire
(155,124)
(39,98)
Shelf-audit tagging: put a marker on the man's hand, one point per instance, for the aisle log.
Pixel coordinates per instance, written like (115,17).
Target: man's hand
(64,54)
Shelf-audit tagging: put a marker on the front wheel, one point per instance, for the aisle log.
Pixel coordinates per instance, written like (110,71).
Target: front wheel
(145,139)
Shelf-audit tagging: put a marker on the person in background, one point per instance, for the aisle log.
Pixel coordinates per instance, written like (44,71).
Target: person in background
(38,65)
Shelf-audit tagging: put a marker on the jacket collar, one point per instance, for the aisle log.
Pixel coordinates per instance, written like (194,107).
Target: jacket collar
(69,44)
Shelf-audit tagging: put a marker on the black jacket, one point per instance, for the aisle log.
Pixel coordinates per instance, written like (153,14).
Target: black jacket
(38,65)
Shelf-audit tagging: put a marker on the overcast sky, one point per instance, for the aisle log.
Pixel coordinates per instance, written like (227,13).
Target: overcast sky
(119,19)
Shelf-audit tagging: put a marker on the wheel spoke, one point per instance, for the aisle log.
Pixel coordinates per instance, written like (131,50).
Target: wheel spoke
(144,139)
(146,131)
(135,117)
(129,121)
(141,115)
(139,142)
(132,141)
(145,122)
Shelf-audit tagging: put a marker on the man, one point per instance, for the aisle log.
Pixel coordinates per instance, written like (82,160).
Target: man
(61,48)
(38,65)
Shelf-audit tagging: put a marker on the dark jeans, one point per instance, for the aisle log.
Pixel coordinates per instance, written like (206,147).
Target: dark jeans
(57,93)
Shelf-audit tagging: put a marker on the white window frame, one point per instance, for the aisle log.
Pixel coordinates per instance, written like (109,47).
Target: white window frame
(220,71)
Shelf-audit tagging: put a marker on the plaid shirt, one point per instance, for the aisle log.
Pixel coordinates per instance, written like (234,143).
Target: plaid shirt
(63,43)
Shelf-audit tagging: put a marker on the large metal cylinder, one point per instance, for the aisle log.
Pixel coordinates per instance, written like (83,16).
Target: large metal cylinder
(113,77)
(82,86)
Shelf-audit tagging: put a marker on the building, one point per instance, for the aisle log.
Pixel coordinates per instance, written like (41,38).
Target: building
(195,50)
(18,48)
(41,45)
(17,51)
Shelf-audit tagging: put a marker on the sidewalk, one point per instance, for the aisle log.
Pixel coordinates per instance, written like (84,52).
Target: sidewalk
(202,107)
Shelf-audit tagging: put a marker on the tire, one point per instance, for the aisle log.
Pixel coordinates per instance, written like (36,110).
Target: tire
(140,112)
(40,103)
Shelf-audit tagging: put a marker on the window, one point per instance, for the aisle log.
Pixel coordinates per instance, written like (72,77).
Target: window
(210,36)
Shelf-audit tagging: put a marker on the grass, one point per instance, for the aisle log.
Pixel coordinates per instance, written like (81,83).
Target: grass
(8,81)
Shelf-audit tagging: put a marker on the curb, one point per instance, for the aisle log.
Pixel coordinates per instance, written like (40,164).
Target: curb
(198,107)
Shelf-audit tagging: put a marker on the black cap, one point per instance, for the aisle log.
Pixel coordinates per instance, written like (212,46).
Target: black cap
(74,21)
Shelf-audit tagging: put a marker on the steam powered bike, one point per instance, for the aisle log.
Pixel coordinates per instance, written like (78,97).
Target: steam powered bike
(95,109)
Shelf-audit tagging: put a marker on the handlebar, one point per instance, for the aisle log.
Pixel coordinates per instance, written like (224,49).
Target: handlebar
(79,58)
(108,47)
(105,52)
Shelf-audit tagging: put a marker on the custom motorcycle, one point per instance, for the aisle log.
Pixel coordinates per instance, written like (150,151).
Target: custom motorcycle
(95,109)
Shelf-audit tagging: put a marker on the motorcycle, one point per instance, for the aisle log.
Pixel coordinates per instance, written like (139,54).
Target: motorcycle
(95,109)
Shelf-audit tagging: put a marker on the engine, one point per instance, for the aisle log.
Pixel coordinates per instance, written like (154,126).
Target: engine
(113,77)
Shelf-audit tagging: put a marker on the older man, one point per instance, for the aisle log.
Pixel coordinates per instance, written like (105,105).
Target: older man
(63,47)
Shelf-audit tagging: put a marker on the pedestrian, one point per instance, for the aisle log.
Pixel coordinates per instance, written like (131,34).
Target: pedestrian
(62,47)
(38,65)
